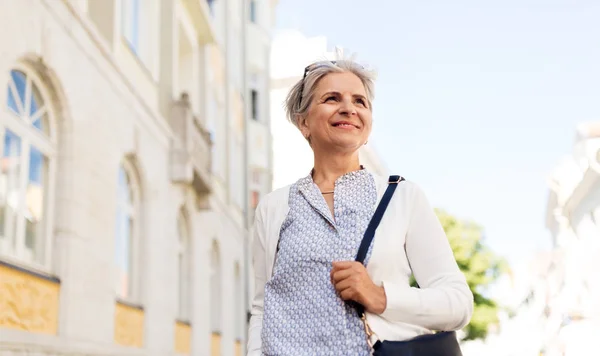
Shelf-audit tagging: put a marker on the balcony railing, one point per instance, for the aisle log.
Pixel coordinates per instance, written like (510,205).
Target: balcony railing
(191,161)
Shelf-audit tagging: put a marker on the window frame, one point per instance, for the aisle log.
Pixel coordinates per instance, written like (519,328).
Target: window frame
(135,254)
(47,145)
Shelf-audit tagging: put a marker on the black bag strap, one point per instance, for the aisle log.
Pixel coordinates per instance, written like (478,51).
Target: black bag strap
(376,219)
(373,224)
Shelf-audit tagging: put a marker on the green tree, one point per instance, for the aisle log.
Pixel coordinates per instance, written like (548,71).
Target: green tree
(481,268)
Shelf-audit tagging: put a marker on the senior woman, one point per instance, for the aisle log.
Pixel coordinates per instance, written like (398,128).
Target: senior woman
(306,237)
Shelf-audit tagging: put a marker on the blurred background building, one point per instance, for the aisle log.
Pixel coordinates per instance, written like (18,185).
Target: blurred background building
(552,303)
(291,52)
(136,133)
(573,218)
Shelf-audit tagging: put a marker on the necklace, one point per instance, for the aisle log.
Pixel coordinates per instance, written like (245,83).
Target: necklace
(331,192)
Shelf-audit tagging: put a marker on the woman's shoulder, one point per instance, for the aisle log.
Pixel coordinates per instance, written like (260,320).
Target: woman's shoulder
(408,191)
(404,183)
(274,200)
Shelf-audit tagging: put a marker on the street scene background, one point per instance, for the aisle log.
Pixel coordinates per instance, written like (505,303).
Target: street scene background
(140,135)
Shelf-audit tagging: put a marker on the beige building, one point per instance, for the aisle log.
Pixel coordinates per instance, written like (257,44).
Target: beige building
(130,127)
(572,295)
(291,52)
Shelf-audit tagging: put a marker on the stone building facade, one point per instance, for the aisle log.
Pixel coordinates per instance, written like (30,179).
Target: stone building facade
(124,189)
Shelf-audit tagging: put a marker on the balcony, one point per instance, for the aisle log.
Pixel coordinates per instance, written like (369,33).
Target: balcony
(190,149)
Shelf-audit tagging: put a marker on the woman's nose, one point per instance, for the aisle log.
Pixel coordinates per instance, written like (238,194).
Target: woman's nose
(347,107)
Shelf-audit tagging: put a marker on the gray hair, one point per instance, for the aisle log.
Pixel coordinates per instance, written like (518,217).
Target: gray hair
(301,95)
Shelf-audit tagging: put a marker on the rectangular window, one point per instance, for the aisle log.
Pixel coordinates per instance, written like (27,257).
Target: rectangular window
(184,284)
(131,24)
(254,103)
(253,9)
(211,6)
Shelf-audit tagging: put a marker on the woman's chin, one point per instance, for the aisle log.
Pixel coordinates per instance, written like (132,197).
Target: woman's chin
(345,145)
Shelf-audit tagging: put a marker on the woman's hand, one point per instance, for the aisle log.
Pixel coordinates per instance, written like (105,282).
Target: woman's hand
(352,282)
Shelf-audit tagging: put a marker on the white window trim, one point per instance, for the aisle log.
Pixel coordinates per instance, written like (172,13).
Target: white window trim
(47,145)
(134,212)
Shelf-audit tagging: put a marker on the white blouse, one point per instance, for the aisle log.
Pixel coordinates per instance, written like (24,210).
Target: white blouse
(409,240)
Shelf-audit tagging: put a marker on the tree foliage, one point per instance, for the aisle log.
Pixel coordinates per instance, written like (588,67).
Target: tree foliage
(481,268)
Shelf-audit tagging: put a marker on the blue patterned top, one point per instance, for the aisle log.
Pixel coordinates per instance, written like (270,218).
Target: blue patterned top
(303,314)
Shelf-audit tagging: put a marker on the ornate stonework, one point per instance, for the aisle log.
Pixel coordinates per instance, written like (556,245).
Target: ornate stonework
(28,302)
(129,326)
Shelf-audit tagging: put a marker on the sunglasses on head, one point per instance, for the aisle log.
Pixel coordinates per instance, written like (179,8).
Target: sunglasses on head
(308,69)
(316,65)
(313,67)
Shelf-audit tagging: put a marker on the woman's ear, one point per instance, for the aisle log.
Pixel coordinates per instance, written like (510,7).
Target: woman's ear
(303,126)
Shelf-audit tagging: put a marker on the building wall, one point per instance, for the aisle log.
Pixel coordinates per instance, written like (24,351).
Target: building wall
(111,106)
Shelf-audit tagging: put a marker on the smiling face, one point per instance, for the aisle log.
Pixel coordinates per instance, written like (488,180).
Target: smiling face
(339,117)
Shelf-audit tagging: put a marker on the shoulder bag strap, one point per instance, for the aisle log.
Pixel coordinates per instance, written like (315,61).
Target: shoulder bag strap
(373,224)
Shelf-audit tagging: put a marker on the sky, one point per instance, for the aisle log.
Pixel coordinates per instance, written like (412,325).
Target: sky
(476,101)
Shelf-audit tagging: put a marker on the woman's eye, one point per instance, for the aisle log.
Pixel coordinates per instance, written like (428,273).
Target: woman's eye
(361,102)
(330,98)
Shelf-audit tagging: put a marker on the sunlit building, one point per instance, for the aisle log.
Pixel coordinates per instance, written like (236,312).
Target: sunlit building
(130,129)
(573,218)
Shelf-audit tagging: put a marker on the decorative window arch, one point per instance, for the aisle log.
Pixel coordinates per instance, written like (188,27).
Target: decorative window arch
(127,234)
(184,268)
(28,168)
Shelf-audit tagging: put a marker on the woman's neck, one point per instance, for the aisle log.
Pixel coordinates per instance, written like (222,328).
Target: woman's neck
(329,168)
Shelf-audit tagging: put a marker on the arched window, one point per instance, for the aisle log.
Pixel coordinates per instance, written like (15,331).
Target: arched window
(215,297)
(27,169)
(183,268)
(127,233)
(238,306)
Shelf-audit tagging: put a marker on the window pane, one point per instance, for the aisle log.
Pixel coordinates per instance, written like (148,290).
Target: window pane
(34,200)
(11,102)
(183,280)
(20,81)
(39,119)
(123,237)
(131,13)
(41,123)
(9,188)
(253,11)
(254,103)
(122,254)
